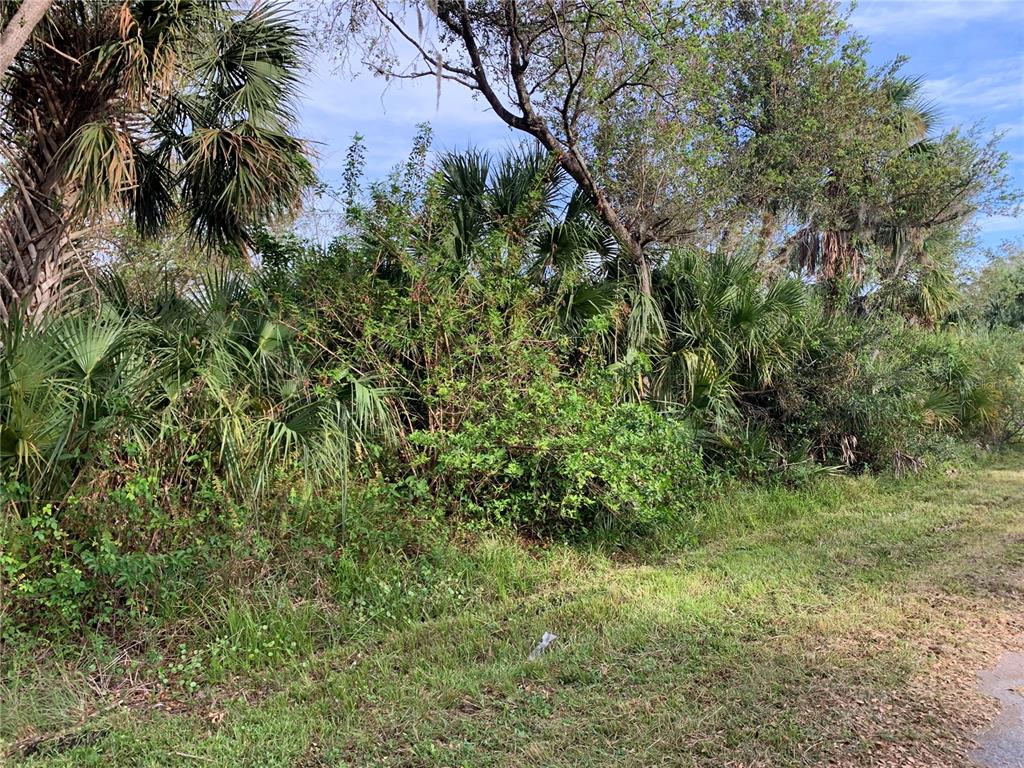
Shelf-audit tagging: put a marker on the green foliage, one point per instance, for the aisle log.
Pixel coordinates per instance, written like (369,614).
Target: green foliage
(879,392)
(677,125)
(731,333)
(898,215)
(200,371)
(471,352)
(96,560)
(731,258)
(996,295)
(159,113)
(196,384)
(546,454)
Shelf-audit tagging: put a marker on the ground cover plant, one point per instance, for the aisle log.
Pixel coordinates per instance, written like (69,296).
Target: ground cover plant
(739,424)
(838,622)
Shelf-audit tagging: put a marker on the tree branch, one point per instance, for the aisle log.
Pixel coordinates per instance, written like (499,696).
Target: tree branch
(19,29)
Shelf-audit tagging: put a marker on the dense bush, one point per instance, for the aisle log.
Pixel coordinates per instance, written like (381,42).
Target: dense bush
(117,555)
(197,375)
(880,392)
(132,429)
(470,352)
(995,297)
(550,453)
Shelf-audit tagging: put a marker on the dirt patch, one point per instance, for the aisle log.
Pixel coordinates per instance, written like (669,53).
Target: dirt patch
(943,706)
(962,615)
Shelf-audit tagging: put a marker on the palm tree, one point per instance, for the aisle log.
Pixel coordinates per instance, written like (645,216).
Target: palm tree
(160,111)
(730,334)
(551,226)
(19,19)
(514,198)
(201,367)
(835,244)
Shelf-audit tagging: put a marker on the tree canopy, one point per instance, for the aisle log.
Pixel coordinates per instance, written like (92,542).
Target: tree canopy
(155,110)
(696,121)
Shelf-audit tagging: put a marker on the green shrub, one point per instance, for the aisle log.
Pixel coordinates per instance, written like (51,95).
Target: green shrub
(882,393)
(65,571)
(203,369)
(551,455)
(474,350)
(989,385)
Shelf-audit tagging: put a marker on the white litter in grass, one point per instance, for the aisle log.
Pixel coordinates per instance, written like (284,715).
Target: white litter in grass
(545,641)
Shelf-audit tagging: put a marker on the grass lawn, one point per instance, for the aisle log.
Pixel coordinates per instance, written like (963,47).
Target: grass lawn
(840,625)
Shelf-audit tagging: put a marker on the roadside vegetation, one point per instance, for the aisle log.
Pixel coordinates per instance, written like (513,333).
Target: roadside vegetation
(839,623)
(706,378)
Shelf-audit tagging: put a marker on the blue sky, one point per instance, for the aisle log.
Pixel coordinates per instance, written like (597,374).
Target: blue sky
(970,53)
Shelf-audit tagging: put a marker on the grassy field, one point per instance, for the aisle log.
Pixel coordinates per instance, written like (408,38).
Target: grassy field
(839,625)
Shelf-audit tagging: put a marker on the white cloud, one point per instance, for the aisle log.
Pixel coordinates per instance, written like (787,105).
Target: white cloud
(1011,130)
(897,17)
(1000,87)
(1012,139)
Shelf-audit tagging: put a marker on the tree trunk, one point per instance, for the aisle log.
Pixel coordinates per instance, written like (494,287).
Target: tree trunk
(456,17)
(34,245)
(614,222)
(18,30)
(643,271)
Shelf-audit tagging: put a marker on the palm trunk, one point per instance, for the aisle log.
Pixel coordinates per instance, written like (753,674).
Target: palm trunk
(34,245)
(55,97)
